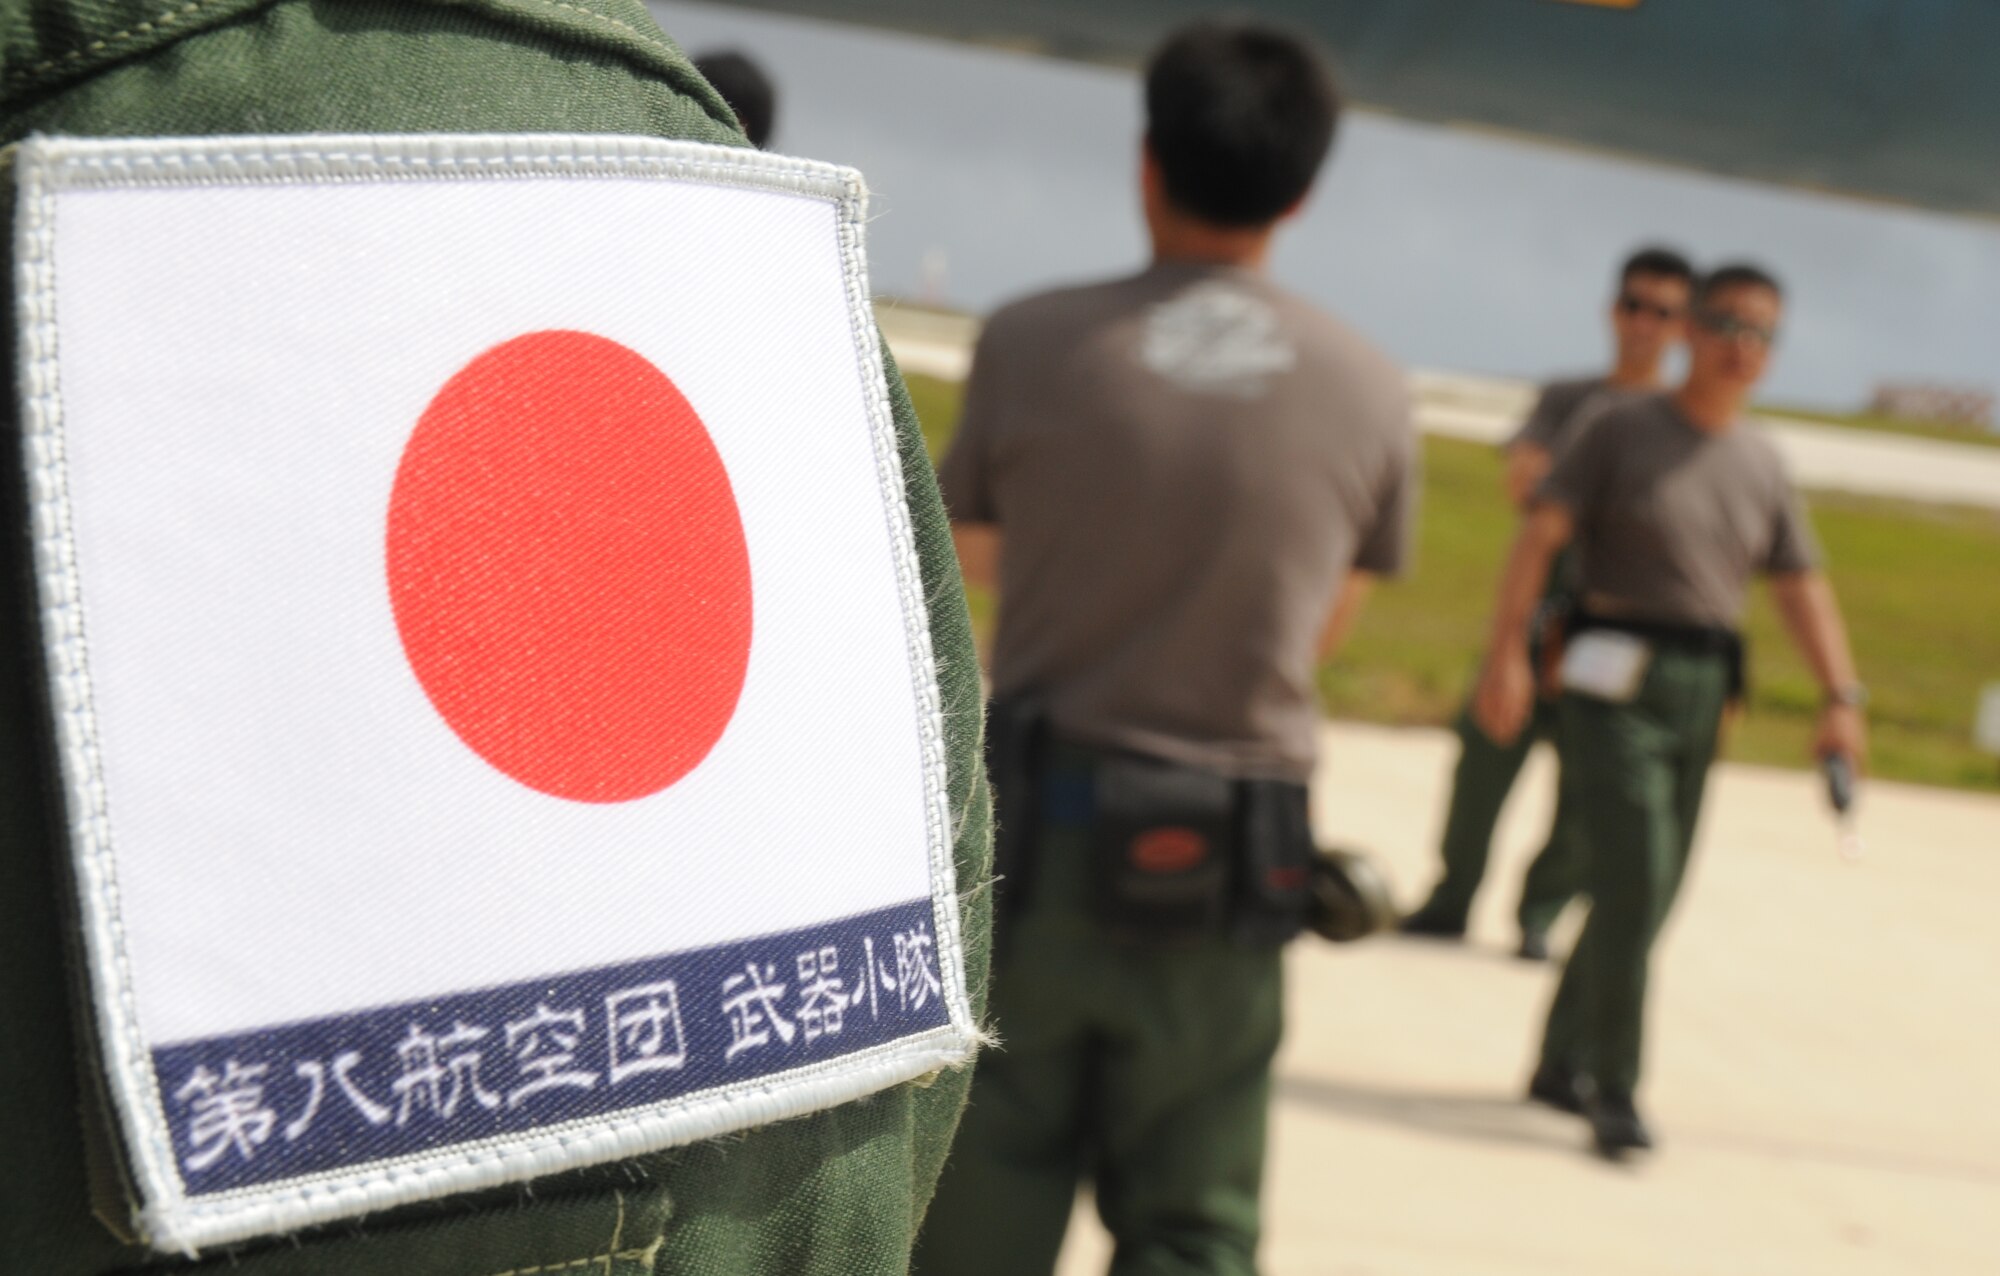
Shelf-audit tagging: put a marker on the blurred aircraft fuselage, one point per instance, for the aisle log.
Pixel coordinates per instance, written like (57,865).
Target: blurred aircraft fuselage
(1887,99)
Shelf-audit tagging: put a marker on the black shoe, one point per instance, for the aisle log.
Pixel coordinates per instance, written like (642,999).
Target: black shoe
(1430,925)
(1534,946)
(1559,1087)
(1615,1125)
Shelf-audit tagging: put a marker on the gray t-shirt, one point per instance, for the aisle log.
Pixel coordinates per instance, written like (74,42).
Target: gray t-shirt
(1672,521)
(1559,407)
(1183,465)
(1561,410)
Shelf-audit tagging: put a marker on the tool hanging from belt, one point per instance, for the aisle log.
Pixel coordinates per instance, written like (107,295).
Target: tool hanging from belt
(1178,852)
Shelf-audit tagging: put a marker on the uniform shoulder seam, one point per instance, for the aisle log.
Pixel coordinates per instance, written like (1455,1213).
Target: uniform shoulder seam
(104,44)
(649,53)
(166,25)
(627,27)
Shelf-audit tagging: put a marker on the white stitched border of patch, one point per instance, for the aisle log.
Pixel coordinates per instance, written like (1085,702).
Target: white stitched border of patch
(167,1216)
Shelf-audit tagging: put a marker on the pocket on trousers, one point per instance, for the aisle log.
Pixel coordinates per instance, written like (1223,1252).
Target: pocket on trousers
(1164,839)
(1275,862)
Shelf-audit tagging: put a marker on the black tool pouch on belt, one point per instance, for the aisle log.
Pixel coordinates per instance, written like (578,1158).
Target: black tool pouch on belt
(1016,731)
(1165,840)
(1274,862)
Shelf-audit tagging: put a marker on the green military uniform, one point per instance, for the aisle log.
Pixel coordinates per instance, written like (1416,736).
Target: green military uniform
(840,1192)
(1480,784)
(1183,465)
(1162,1055)
(1487,769)
(1640,769)
(1671,522)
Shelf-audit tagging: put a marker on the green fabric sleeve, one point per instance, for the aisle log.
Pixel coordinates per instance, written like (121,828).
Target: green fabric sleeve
(837,1193)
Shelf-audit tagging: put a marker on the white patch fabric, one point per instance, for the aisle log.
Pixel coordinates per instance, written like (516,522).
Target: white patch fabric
(495,695)
(1606,664)
(1217,338)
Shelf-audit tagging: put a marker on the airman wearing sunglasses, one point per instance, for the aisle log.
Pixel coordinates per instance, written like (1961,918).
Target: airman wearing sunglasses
(1648,318)
(1673,503)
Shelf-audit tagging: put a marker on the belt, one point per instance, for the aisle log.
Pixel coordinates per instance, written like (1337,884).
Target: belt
(1704,640)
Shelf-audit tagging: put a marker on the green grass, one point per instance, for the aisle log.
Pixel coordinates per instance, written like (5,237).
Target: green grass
(1889,425)
(937,409)
(1920,586)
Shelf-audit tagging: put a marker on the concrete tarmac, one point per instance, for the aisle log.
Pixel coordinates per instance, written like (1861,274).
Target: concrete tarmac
(1823,1064)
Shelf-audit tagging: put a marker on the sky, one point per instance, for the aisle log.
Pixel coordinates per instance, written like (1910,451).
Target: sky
(1453,249)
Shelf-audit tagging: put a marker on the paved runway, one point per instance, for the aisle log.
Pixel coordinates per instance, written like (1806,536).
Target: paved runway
(1487,409)
(1823,1065)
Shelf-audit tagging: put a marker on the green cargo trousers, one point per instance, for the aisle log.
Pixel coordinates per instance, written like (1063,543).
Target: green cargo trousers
(1144,1069)
(1640,772)
(1479,787)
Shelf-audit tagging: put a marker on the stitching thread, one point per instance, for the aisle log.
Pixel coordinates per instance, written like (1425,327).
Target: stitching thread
(622,26)
(607,1258)
(179,168)
(916,613)
(98,46)
(68,658)
(612,1254)
(364,159)
(172,16)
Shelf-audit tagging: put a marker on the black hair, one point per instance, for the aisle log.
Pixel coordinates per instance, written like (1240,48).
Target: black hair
(749,92)
(1655,260)
(1239,117)
(1736,275)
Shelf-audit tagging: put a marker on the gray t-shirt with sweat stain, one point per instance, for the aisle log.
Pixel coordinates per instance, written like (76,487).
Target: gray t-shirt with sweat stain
(1672,521)
(1183,466)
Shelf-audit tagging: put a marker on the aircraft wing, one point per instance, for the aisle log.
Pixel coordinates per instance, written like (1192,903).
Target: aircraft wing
(1887,99)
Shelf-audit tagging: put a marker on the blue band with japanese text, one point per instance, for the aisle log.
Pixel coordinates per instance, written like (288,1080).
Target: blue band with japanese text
(327,1094)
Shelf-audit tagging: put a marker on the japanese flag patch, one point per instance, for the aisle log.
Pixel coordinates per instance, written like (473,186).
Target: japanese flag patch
(493,686)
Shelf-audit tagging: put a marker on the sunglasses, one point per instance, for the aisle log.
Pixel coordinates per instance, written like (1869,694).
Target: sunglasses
(1631,305)
(1730,328)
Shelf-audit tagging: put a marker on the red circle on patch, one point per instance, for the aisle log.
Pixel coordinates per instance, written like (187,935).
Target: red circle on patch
(568,569)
